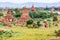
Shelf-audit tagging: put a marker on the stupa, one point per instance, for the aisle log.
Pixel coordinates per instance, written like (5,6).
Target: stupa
(6,21)
(9,15)
(25,17)
(52,10)
(58,10)
(33,9)
(7,18)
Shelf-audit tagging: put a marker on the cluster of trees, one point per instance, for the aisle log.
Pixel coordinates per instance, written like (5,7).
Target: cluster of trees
(50,8)
(35,25)
(42,15)
(17,13)
(34,14)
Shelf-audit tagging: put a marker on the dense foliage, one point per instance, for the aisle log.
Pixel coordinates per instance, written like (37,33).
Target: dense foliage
(55,18)
(42,15)
(17,13)
(38,23)
(1,14)
(30,22)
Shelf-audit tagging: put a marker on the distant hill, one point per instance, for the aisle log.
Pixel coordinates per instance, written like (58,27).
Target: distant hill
(28,4)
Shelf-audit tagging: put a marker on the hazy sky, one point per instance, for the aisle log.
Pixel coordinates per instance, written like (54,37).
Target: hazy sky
(23,1)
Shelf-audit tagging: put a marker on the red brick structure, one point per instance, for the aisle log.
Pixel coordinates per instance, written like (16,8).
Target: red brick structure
(52,10)
(9,15)
(59,8)
(6,21)
(33,9)
(7,18)
(25,17)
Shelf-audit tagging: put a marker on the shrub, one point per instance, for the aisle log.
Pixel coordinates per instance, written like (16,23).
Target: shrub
(38,23)
(33,15)
(55,18)
(30,22)
(49,15)
(5,33)
(55,14)
(42,15)
(1,14)
(16,10)
(57,33)
(17,15)
(2,24)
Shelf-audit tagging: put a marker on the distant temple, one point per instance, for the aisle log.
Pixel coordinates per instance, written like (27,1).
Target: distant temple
(52,10)
(7,18)
(9,15)
(59,10)
(25,17)
(47,7)
(1,9)
(33,9)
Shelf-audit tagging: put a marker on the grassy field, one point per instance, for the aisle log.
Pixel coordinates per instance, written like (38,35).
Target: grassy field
(24,33)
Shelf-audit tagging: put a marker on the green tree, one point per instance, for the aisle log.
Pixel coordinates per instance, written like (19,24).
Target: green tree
(1,14)
(17,15)
(38,23)
(29,22)
(33,15)
(55,18)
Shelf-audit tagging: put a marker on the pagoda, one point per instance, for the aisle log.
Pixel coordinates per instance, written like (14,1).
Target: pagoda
(33,9)
(52,10)
(9,15)
(59,10)
(25,17)
(6,21)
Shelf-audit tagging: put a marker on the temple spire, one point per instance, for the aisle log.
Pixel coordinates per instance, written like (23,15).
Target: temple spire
(8,11)
(46,6)
(52,10)
(59,8)
(33,8)
(25,9)
(24,17)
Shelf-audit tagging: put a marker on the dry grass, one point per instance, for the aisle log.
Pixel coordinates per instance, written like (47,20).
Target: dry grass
(25,33)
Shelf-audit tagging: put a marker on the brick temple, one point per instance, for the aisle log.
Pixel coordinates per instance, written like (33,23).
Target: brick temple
(25,17)
(9,17)
(52,10)
(33,9)
(59,10)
